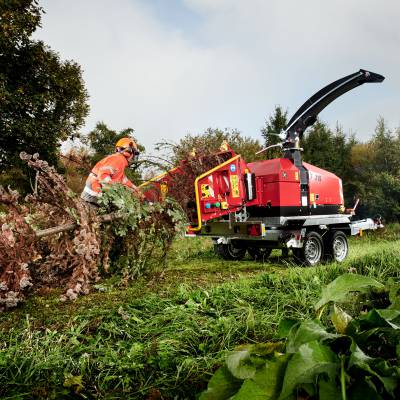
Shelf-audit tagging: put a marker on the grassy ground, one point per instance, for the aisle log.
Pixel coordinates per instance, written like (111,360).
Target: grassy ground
(163,337)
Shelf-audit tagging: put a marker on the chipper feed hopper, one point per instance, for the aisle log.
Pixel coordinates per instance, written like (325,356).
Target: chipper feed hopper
(277,203)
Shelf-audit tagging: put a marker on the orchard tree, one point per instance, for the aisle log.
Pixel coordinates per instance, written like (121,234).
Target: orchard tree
(43,100)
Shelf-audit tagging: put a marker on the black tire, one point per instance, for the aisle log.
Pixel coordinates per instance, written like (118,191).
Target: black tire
(285,252)
(312,251)
(259,253)
(337,247)
(229,252)
(297,255)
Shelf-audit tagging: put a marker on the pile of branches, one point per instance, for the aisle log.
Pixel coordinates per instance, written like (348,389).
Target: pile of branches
(181,179)
(139,240)
(77,258)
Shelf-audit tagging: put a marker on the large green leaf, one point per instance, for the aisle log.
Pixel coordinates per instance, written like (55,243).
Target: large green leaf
(222,386)
(341,287)
(266,383)
(363,389)
(250,390)
(358,357)
(379,319)
(240,365)
(328,389)
(340,319)
(305,332)
(270,377)
(374,367)
(284,327)
(311,360)
(391,315)
(262,351)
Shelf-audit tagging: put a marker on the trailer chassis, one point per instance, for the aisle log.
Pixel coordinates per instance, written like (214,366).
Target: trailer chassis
(311,239)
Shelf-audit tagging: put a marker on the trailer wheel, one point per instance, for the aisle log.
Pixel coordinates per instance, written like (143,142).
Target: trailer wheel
(229,252)
(259,253)
(312,251)
(338,247)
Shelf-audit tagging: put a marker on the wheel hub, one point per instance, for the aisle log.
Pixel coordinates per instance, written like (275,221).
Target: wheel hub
(313,251)
(339,249)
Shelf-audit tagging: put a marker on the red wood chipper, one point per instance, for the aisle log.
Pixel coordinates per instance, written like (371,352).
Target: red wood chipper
(277,203)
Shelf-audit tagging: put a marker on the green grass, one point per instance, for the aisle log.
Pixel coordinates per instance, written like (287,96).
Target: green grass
(167,333)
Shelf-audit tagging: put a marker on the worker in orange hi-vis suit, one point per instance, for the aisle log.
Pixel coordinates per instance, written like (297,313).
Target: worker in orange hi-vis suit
(111,169)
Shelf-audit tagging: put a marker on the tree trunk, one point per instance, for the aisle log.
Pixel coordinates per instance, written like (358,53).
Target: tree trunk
(73,225)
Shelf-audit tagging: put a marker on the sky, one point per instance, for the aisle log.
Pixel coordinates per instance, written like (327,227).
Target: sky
(171,67)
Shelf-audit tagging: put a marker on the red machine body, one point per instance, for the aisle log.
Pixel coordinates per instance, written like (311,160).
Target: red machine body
(279,190)
(268,188)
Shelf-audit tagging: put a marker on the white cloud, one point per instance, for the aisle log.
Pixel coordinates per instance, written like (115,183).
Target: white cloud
(229,70)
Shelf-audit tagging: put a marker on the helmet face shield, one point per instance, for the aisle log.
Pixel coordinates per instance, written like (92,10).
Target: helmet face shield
(134,156)
(126,144)
(128,148)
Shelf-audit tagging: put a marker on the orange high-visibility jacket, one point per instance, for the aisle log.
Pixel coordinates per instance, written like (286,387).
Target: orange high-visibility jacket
(109,170)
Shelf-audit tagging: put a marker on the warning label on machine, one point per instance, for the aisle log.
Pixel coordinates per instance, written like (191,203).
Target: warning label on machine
(235,185)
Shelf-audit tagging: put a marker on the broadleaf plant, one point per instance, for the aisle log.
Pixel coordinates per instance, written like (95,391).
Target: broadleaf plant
(349,358)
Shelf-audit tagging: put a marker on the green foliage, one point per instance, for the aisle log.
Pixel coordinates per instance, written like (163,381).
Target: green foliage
(376,175)
(331,150)
(43,99)
(383,196)
(386,147)
(340,288)
(319,364)
(15,177)
(274,125)
(142,232)
(212,139)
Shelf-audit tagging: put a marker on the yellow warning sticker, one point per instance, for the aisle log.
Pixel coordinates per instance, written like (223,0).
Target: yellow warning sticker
(205,191)
(235,185)
(224,205)
(163,190)
(312,197)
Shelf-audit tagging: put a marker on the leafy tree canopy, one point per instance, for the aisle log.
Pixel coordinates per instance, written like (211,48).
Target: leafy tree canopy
(212,139)
(327,149)
(386,149)
(43,100)
(273,126)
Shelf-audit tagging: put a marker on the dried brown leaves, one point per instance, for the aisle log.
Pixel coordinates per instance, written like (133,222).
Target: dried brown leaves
(17,248)
(66,259)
